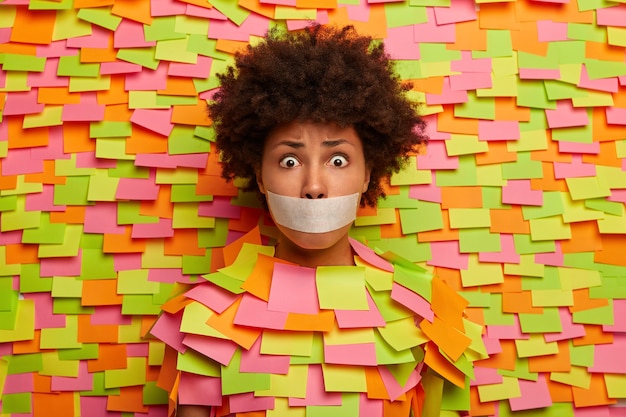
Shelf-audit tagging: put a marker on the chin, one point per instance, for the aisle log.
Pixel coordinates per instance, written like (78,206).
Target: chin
(315,241)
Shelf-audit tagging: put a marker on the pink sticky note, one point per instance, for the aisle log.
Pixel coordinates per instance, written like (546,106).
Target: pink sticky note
(137,189)
(498,130)
(64,266)
(127,261)
(618,195)
(551,258)
(147,80)
(569,329)
(89,160)
(119,67)
(485,376)
(104,315)
(201,69)
(566,115)
(22,102)
(43,201)
(520,192)
(432,31)
(619,314)
(54,49)
(102,218)
(48,77)
(576,169)
(162,160)
(360,318)
(54,149)
(447,96)
(253,361)
(212,296)
(293,290)
(130,34)
(320,18)
(394,389)
(198,11)
(510,332)
(470,81)
(609,85)
(426,192)
(459,11)
(609,358)
(611,16)
(255,24)
(96,407)
(535,394)
(167,8)
(507,253)
(167,329)
(359,12)
(576,147)
(199,389)
(549,31)
(84,381)
(157,120)
(254,312)
(18,383)
(615,116)
(539,74)
(431,130)
(87,111)
(412,301)
(400,43)
(315,392)
(220,207)
(20,162)
(436,158)
(220,350)
(363,354)
(44,315)
(369,256)
(169,275)
(370,406)
(447,255)
(11,238)
(248,402)
(98,38)
(492,346)
(152,230)
(469,64)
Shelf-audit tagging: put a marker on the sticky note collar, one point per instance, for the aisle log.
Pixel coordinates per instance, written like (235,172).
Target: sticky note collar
(313,215)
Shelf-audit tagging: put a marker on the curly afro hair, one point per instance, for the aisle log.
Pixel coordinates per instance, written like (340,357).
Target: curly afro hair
(322,75)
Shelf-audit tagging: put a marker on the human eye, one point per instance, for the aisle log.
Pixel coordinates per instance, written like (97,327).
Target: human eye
(338,161)
(289,162)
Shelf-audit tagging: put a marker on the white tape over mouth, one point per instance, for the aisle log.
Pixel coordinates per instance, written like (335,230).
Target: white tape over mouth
(319,215)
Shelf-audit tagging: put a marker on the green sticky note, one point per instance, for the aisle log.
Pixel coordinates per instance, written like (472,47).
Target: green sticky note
(97,265)
(576,211)
(464,145)
(128,169)
(73,192)
(414,278)
(552,206)
(408,69)
(583,355)
(524,168)
(70,65)
(140,56)
(525,245)
(501,86)
(402,334)
(20,403)
(547,322)
(535,345)
(145,100)
(112,148)
(197,265)
(70,306)
(187,193)
(20,218)
(549,228)
(349,407)
(110,129)
(498,45)
(202,45)
(406,247)
(526,267)
(383,216)
(604,69)
(478,240)
(481,273)
(7,269)
(100,16)
(79,84)
(476,108)
(341,287)
(586,187)
(180,175)
(134,374)
(410,175)
(494,315)
(31,281)
(50,116)
(215,237)
(67,168)
(576,278)
(102,187)
(236,382)
(18,62)
(558,90)
(52,233)
(387,355)
(293,384)
(600,315)
(68,26)
(186,217)
(86,351)
(128,212)
(464,175)
(154,257)
(140,304)
(455,398)
(190,25)
(402,200)
(8,203)
(427,216)
(492,198)
(508,388)
(552,298)
(175,50)
(586,32)
(402,14)
(163,28)
(233,11)
(68,248)
(533,94)
(153,395)
(192,361)
(612,224)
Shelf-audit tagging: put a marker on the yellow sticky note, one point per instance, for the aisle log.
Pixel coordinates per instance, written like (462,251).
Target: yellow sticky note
(194,321)
(535,345)
(341,287)
(135,281)
(478,273)
(186,217)
(411,175)
(613,224)
(469,217)
(508,388)
(383,216)
(578,376)
(102,187)
(25,323)
(526,267)
(134,374)
(197,363)
(62,337)
(586,187)
(68,248)
(53,366)
(297,344)
(549,228)
(402,334)
(67,287)
(344,378)
(154,256)
(574,278)
(615,385)
(552,298)
(576,211)
(349,336)
(459,144)
(292,385)
(50,116)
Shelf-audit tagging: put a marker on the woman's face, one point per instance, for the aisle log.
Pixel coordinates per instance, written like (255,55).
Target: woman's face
(313,161)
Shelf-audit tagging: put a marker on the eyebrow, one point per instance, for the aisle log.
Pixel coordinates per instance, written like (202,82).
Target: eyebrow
(331,143)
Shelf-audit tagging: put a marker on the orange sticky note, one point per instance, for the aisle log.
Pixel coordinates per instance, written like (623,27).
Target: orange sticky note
(123,243)
(375,385)
(110,356)
(29,27)
(509,221)
(259,281)
(447,304)
(612,251)
(129,400)
(558,362)
(116,94)
(322,322)
(58,404)
(595,395)
(184,242)
(138,11)
(594,335)
(25,138)
(76,138)
(90,333)
(18,253)
(192,115)
(451,341)
(57,95)
(497,154)
(232,250)
(256,6)
(181,86)
(71,215)
(442,366)
(243,336)
(145,141)
(102,292)
(507,109)
(465,197)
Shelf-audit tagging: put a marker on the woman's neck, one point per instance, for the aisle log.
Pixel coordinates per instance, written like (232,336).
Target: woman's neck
(340,254)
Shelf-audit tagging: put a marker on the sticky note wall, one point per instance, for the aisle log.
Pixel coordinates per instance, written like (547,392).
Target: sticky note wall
(110,192)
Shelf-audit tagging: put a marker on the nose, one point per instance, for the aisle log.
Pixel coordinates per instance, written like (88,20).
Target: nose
(314,185)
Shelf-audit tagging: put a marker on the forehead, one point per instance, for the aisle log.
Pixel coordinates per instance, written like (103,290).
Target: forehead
(306,132)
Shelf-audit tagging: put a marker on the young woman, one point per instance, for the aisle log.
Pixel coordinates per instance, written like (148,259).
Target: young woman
(316,324)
